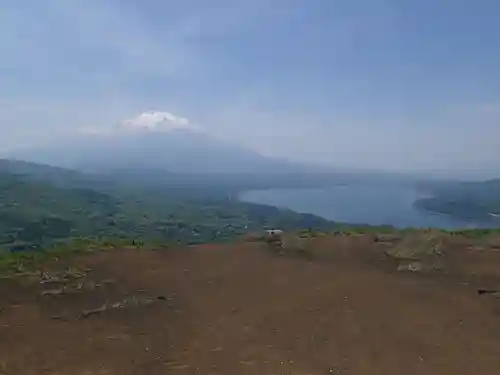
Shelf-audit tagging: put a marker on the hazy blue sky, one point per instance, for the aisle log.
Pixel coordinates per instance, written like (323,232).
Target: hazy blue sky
(399,84)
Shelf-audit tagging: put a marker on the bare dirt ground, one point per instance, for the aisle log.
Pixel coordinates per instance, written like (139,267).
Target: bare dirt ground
(240,309)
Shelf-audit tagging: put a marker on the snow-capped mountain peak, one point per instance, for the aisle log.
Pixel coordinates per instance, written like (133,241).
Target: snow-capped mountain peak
(148,121)
(157,121)
(152,140)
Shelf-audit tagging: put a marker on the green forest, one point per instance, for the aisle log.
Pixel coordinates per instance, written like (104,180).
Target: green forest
(472,201)
(42,207)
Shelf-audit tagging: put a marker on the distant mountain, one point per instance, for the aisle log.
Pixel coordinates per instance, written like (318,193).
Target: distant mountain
(157,146)
(137,144)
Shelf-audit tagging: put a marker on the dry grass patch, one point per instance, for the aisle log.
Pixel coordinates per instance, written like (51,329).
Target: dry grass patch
(419,252)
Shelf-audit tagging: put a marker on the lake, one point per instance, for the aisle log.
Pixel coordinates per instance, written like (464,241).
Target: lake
(379,204)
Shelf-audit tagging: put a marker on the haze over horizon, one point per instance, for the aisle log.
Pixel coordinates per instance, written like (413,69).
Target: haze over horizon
(372,84)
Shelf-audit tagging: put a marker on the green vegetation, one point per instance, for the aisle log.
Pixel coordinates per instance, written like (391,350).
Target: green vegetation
(43,207)
(468,201)
(54,211)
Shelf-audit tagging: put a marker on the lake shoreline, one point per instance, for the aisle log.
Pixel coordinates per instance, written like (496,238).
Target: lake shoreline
(361,204)
(490,222)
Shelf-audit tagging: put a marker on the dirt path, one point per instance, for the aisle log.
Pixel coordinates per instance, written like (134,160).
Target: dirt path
(240,310)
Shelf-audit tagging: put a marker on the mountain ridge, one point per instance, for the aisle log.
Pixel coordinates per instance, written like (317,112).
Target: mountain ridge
(176,150)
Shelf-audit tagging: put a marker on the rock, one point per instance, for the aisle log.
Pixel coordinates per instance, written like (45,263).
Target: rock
(127,302)
(493,292)
(87,313)
(410,266)
(425,265)
(53,292)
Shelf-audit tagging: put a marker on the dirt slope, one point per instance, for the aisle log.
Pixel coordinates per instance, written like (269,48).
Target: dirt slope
(239,309)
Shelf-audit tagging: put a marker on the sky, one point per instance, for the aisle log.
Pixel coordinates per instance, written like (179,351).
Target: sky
(398,85)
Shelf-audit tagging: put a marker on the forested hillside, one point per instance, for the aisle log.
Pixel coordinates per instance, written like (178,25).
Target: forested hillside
(41,206)
(478,201)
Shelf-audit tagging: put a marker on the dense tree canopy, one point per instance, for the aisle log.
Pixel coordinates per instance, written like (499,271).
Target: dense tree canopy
(40,206)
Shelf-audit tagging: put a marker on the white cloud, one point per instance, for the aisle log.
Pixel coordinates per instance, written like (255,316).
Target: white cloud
(153,121)
(157,121)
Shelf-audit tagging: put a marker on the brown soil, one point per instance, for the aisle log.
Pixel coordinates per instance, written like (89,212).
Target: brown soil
(242,309)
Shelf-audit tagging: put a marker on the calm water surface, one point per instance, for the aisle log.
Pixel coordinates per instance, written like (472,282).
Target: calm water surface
(358,203)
